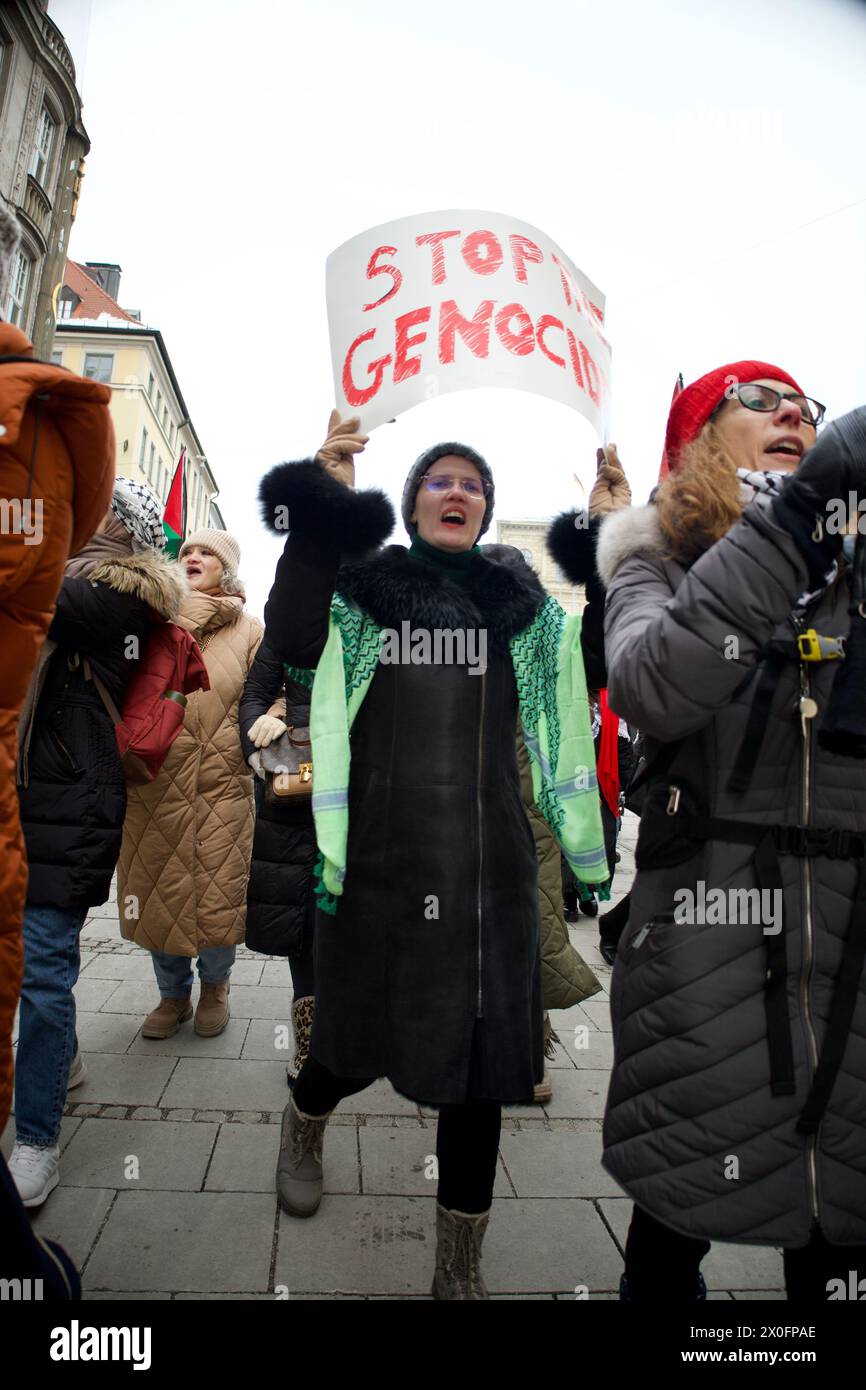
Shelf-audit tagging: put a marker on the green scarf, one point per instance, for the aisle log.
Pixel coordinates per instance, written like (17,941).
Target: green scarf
(554,712)
(455,565)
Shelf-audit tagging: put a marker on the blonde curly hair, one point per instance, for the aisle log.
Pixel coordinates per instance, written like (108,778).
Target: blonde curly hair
(699,502)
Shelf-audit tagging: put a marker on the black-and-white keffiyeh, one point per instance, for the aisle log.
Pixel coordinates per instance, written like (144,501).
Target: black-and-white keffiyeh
(771,484)
(140,510)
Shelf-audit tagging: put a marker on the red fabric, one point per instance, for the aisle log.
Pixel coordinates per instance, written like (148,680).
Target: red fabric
(172,660)
(693,407)
(664,467)
(607,762)
(175,507)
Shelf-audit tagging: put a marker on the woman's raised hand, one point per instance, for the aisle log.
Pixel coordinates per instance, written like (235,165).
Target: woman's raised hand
(611,490)
(343,442)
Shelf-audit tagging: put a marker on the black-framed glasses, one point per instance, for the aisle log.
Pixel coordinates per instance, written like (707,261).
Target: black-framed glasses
(754,396)
(441,482)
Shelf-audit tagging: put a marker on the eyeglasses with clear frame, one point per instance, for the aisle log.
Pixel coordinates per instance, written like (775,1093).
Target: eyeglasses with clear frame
(476,488)
(754,396)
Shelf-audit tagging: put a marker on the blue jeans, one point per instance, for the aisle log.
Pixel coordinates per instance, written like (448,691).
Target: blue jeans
(46,1032)
(174,973)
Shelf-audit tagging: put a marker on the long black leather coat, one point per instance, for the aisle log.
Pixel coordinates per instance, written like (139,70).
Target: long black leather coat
(429,973)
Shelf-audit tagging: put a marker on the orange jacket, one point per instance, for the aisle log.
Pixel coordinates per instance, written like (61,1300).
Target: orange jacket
(56,476)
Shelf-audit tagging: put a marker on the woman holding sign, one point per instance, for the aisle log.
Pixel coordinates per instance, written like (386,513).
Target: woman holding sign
(420,663)
(734,638)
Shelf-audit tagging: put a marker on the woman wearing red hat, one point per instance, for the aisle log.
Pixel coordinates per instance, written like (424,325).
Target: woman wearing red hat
(737,1107)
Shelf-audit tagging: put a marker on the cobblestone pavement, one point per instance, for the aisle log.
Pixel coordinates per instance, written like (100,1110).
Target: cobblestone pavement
(169,1150)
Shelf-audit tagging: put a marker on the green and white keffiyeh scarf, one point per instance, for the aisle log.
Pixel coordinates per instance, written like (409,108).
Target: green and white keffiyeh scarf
(554,712)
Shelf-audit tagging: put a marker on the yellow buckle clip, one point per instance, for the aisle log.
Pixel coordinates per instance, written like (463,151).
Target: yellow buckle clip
(813,647)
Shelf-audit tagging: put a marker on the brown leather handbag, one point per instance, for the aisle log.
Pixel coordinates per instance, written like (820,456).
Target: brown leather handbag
(288,766)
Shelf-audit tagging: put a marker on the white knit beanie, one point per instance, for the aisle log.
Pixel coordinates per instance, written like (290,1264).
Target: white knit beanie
(223,545)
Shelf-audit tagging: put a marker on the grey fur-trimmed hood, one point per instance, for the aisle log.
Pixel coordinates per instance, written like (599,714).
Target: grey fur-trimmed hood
(623,534)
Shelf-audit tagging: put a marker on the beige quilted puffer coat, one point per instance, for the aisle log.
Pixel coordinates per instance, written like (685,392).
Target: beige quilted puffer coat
(187,838)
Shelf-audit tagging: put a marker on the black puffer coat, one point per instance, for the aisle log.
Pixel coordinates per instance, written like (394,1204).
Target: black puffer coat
(73,800)
(284,841)
(429,973)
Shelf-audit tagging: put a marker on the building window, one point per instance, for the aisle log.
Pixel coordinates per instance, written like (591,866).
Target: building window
(150,463)
(158,405)
(165,420)
(142,453)
(150,386)
(98,365)
(18,288)
(57,357)
(41,159)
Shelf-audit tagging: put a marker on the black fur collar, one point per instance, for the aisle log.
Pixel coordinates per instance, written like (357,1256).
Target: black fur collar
(503,598)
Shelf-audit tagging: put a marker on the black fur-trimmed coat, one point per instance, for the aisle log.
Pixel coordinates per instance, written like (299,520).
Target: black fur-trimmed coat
(429,973)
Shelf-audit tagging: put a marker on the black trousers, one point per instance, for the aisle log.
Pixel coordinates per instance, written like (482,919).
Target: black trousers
(467,1136)
(662,1266)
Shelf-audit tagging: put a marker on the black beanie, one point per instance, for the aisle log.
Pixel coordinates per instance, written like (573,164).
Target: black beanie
(425,461)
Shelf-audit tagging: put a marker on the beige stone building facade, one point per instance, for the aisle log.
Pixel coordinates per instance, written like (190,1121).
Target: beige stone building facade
(528,533)
(98,339)
(42,147)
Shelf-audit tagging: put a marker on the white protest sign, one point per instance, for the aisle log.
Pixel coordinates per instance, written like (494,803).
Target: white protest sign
(450,301)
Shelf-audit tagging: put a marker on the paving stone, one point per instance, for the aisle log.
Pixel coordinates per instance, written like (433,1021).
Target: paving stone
(182,1116)
(777,1294)
(111,965)
(170,1156)
(132,997)
(566,1020)
(187,1043)
(727,1266)
(262,1038)
(397,1161)
(360,1245)
(147,1112)
(561,1060)
(278,974)
(225,1297)
(378,1099)
(218,1117)
(113,1079)
(226,1085)
(557,1164)
(114,1112)
(261,1001)
(208,1242)
(105,1032)
(597,1013)
(90,994)
(578,1094)
(245,1159)
(98,931)
(541,1246)
(72,1217)
(596,1054)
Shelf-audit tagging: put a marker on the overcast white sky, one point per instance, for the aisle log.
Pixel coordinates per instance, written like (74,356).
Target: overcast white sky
(701,162)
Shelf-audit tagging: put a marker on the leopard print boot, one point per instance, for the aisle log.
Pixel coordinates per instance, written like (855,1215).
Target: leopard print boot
(302,1023)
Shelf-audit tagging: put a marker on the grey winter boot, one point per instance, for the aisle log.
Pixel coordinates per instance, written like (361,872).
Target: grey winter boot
(458,1254)
(299,1166)
(302,1024)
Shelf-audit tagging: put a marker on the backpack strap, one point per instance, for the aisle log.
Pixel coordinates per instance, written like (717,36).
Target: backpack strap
(102,691)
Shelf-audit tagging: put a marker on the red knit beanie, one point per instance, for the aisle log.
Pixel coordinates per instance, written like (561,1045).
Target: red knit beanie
(693,407)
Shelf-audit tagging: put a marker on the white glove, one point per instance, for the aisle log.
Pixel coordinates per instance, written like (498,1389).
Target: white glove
(255,762)
(265,730)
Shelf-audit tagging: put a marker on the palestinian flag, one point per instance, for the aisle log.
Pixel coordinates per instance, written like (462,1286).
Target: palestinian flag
(174,516)
(664,469)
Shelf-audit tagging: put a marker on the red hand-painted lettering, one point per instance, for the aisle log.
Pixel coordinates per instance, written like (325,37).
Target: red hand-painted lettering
(434,240)
(405,366)
(475,332)
(482,252)
(357,395)
(522,342)
(548,321)
(374,269)
(523,252)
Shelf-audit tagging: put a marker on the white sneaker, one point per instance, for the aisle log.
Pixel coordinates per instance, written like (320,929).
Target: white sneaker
(34,1172)
(77,1072)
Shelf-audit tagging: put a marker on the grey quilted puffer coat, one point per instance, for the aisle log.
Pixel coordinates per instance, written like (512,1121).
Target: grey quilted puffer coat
(695,1129)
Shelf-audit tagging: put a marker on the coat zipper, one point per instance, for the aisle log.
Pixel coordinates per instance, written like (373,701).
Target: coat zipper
(808,935)
(479,1012)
